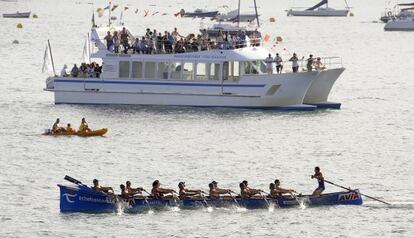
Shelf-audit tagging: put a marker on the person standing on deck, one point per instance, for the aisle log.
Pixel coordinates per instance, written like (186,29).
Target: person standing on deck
(269,64)
(295,63)
(321,183)
(309,63)
(109,41)
(279,66)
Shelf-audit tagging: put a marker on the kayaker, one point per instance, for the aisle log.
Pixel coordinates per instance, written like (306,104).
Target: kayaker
(280,191)
(99,188)
(184,193)
(133,191)
(215,191)
(84,125)
(160,193)
(56,128)
(321,183)
(69,128)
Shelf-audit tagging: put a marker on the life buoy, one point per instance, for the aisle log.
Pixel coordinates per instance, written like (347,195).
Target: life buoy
(389,13)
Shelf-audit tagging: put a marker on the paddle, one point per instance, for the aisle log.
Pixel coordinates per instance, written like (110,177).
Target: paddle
(204,198)
(376,199)
(264,198)
(145,199)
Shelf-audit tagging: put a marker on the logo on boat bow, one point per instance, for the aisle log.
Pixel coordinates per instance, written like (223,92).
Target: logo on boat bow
(68,196)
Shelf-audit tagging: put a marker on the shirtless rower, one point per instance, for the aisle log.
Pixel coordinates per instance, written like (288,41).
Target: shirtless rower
(184,193)
(321,183)
(247,192)
(280,191)
(99,188)
(56,128)
(124,192)
(133,191)
(160,193)
(215,191)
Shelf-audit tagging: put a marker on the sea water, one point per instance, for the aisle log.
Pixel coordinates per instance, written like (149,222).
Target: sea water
(368,144)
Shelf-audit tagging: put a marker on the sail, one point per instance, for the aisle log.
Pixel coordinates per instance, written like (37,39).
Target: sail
(47,61)
(323,2)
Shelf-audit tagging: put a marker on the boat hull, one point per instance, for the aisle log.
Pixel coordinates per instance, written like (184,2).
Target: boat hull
(17,15)
(84,199)
(280,92)
(99,132)
(407,25)
(319,13)
(320,88)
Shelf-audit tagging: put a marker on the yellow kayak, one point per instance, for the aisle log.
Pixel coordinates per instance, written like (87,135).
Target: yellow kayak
(99,132)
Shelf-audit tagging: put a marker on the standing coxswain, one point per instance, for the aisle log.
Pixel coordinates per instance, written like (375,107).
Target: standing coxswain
(321,183)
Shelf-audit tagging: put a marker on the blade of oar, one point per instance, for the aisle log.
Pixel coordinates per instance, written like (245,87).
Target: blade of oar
(72,180)
(145,199)
(234,199)
(264,198)
(376,199)
(204,199)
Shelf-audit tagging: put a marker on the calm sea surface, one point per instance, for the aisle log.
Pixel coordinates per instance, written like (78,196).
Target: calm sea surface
(367,145)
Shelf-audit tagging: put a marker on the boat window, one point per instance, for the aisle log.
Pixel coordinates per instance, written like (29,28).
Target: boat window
(175,70)
(149,70)
(201,71)
(162,70)
(254,67)
(214,71)
(235,70)
(136,70)
(124,69)
(188,71)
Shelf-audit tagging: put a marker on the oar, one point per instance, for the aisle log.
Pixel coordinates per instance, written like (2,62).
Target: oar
(204,198)
(264,198)
(234,199)
(72,180)
(145,199)
(376,199)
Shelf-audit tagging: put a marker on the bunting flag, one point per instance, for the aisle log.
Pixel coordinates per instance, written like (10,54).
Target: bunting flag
(114,7)
(266,38)
(107,7)
(155,13)
(126,8)
(136,11)
(146,13)
(86,54)
(93,20)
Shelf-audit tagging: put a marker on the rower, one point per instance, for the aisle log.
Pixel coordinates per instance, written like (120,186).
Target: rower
(280,191)
(124,192)
(184,193)
(84,126)
(160,193)
(215,191)
(246,192)
(56,128)
(321,183)
(133,191)
(99,188)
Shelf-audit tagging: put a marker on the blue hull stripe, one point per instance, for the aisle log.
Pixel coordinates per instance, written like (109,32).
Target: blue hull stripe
(167,84)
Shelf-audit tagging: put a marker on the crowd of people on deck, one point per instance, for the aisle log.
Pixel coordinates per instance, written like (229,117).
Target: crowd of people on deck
(92,70)
(155,42)
(311,63)
(158,192)
(56,128)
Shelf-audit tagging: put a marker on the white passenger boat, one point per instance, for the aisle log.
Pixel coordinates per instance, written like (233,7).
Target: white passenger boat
(212,78)
(319,11)
(404,21)
(397,13)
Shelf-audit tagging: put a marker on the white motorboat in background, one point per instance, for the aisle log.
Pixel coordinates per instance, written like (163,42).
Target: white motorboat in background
(397,13)
(319,11)
(17,15)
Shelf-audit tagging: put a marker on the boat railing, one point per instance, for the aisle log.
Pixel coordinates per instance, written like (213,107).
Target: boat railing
(326,63)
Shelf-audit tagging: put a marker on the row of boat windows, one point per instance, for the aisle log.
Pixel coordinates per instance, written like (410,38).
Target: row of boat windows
(230,70)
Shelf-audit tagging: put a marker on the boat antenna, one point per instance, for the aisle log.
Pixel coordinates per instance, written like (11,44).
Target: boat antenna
(51,57)
(257,16)
(238,15)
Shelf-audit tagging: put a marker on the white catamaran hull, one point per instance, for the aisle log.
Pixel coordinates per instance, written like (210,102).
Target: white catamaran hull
(319,13)
(321,87)
(400,25)
(285,92)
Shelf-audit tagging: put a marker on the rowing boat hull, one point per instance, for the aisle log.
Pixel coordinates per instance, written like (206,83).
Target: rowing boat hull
(83,199)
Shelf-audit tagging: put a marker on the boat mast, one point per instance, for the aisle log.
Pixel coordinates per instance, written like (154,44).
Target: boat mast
(257,16)
(51,57)
(109,15)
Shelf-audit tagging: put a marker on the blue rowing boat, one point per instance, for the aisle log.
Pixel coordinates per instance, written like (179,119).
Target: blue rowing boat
(81,198)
